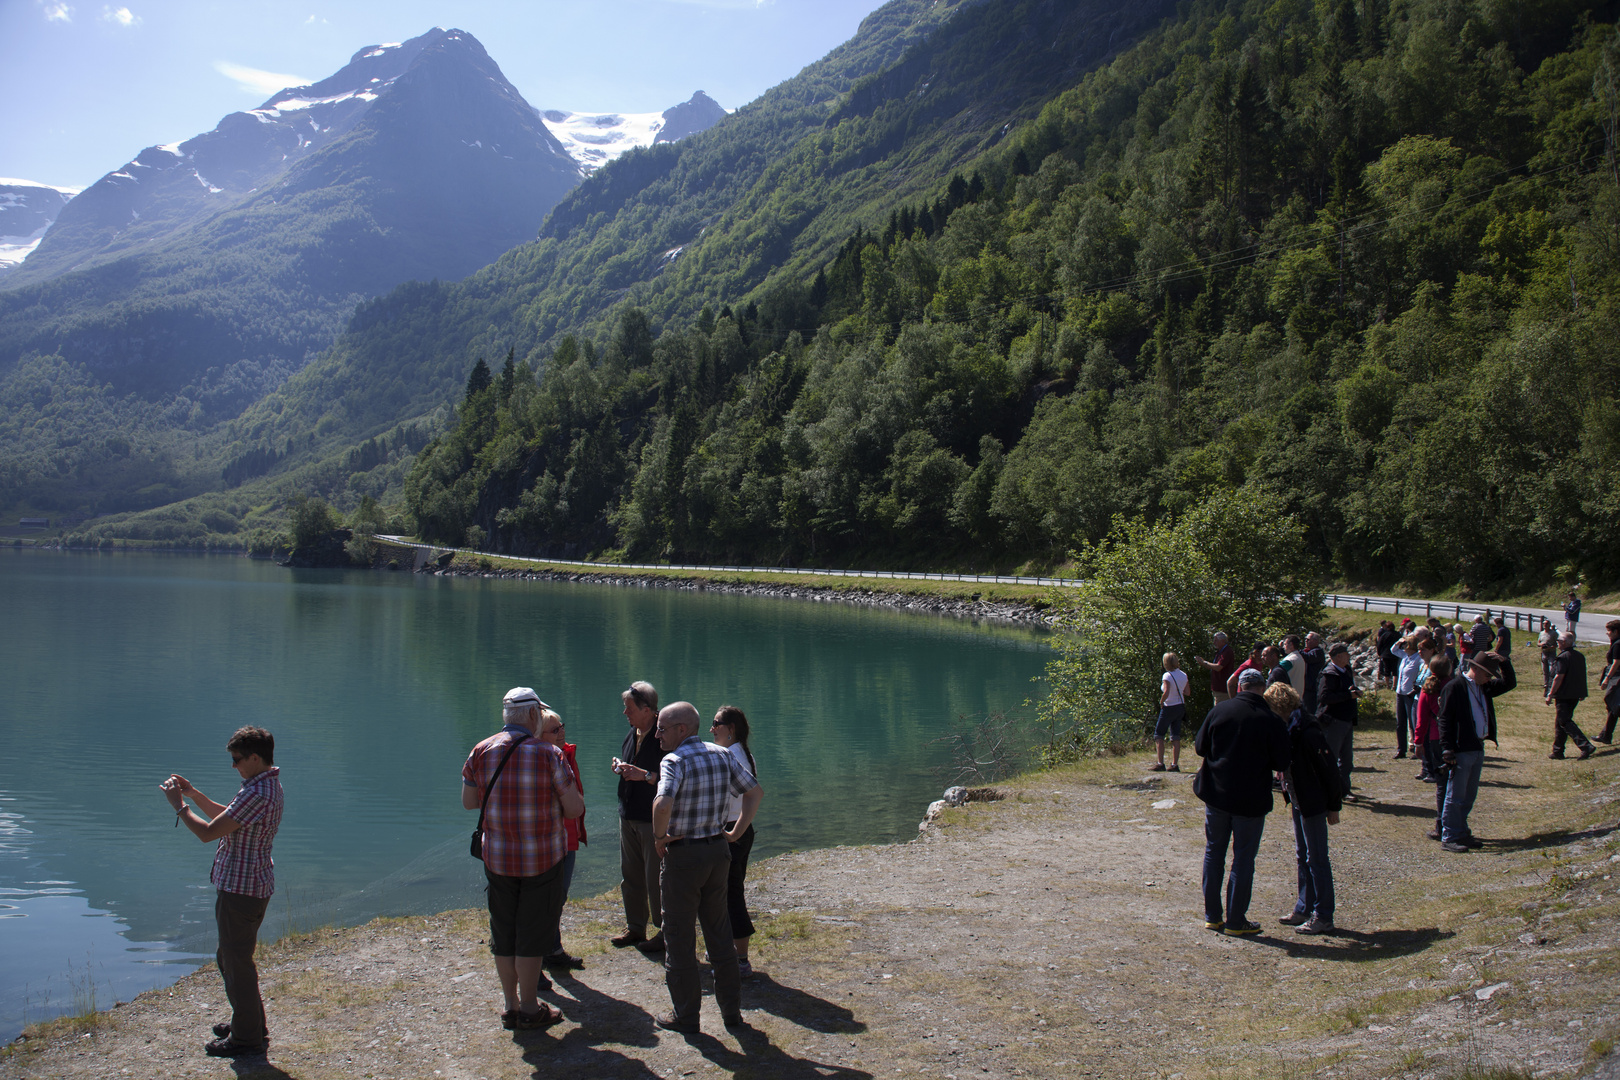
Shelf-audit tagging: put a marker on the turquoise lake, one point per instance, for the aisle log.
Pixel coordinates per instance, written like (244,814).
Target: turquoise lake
(123,668)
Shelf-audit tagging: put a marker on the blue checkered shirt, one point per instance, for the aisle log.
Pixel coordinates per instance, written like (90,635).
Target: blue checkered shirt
(698,777)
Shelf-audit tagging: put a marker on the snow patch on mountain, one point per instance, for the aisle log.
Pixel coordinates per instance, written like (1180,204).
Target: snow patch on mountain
(27,210)
(594,139)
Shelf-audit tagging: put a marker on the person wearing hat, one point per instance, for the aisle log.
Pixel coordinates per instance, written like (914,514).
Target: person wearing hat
(1466,719)
(1243,744)
(1568,690)
(523,789)
(1336,710)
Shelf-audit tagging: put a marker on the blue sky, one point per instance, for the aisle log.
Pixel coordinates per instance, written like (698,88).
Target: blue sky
(86,86)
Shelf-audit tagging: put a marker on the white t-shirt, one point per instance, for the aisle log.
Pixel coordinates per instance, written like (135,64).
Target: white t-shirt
(1176,682)
(734,802)
(1296,671)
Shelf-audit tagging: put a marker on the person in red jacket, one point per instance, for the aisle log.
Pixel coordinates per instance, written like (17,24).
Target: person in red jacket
(551,731)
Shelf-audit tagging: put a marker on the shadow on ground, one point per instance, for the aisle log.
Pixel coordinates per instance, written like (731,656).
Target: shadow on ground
(798,1007)
(1358,945)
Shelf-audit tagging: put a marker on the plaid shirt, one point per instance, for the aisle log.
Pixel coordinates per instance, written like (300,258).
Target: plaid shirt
(523,821)
(242,862)
(699,776)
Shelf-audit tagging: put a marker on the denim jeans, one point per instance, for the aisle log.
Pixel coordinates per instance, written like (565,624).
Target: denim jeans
(1462,785)
(1315,872)
(1405,719)
(1341,739)
(568,861)
(1243,833)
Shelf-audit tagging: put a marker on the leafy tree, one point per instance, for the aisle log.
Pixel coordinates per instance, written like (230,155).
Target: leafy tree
(1236,562)
(310,520)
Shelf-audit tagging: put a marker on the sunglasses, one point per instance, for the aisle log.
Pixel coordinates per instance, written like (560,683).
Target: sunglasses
(636,696)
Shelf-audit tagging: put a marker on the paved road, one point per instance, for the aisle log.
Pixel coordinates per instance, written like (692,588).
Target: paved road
(1590,630)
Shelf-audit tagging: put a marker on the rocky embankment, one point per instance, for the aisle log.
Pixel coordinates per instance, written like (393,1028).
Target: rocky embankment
(1032,613)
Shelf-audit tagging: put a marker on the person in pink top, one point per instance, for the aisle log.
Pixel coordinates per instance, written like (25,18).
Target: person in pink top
(1426,733)
(243,873)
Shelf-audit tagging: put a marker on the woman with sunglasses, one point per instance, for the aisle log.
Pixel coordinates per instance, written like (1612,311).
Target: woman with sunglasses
(551,731)
(730,730)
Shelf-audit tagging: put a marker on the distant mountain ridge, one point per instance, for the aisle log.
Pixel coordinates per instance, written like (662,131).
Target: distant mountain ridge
(416,160)
(201,274)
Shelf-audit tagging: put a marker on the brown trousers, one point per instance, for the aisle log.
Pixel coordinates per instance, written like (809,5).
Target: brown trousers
(238,918)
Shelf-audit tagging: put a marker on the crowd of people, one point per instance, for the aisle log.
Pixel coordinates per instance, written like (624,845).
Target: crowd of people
(686,811)
(1284,721)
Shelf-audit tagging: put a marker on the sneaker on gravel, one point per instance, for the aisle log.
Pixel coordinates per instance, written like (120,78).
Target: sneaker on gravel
(745,969)
(231,1048)
(653,944)
(1241,929)
(629,937)
(1315,925)
(1294,918)
(1473,842)
(1214,924)
(671,1022)
(1452,845)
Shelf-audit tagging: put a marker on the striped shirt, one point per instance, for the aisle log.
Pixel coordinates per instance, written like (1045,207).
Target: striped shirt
(242,862)
(523,820)
(698,777)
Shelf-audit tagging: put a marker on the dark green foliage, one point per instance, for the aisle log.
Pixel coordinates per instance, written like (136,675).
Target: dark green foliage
(1359,257)
(310,520)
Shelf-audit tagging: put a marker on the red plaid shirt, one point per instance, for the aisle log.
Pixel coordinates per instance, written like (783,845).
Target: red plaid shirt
(242,862)
(523,821)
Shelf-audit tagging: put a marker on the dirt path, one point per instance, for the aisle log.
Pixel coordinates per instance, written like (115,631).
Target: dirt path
(1056,933)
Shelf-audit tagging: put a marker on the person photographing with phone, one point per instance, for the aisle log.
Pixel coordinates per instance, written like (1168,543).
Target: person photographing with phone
(244,875)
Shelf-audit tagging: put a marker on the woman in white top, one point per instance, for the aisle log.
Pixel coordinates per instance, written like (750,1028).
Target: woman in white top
(1172,711)
(730,730)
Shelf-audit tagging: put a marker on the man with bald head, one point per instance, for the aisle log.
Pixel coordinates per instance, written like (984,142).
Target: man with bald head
(694,781)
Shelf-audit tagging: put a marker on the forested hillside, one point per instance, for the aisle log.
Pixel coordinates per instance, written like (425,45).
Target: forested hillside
(1361,254)
(767,194)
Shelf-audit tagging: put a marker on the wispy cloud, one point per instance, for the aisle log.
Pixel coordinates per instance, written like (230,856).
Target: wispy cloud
(253,81)
(312,20)
(120,16)
(56,11)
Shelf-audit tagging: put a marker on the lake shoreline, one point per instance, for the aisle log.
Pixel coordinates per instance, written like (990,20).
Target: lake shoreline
(1056,920)
(922,601)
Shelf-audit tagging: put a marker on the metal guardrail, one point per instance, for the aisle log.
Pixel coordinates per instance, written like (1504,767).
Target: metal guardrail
(1438,608)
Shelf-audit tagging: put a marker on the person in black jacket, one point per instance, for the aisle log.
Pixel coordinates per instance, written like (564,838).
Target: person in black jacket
(1467,718)
(638,857)
(1311,786)
(1242,743)
(1568,690)
(1336,710)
